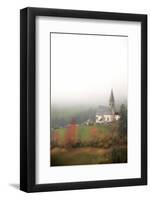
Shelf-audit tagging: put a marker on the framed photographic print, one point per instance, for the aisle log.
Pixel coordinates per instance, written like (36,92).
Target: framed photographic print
(83,96)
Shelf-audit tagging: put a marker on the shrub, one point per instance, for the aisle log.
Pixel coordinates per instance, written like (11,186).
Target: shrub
(119,155)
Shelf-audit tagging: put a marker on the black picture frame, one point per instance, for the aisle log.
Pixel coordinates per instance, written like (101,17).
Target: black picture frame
(28,99)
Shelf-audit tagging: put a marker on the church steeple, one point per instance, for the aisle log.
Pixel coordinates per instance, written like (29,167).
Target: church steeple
(112,102)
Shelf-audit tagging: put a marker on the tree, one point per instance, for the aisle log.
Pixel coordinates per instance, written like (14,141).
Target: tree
(123,119)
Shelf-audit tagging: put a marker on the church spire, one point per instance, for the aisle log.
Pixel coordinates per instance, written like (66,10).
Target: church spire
(112,102)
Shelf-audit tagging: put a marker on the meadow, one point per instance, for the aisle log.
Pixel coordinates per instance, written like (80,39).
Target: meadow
(78,144)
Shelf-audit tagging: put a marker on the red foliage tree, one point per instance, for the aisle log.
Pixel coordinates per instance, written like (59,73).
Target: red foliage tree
(71,133)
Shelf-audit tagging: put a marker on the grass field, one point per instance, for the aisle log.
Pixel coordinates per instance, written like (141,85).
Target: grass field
(82,144)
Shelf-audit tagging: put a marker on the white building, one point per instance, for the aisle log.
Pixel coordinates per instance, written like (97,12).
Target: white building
(109,114)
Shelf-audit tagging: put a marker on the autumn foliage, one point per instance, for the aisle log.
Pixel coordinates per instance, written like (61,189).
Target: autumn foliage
(70,137)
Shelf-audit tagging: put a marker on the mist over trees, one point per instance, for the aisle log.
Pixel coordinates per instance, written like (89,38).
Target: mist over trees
(61,117)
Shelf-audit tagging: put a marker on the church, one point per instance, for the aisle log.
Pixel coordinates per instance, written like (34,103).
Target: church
(109,114)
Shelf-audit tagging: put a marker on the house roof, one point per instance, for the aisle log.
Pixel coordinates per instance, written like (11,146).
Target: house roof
(103,111)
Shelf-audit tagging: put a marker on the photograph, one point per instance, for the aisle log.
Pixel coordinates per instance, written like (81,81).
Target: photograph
(83,99)
(88,99)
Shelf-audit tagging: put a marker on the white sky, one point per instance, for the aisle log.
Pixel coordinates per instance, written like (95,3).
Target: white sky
(84,68)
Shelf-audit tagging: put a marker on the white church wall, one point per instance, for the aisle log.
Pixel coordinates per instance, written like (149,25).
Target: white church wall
(117,117)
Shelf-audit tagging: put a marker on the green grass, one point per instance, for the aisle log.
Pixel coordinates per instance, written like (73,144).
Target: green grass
(83,132)
(104,128)
(87,155)
(96,144)
(79,156)
(62,132)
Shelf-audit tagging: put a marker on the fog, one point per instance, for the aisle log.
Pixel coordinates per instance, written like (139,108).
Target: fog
(84,69)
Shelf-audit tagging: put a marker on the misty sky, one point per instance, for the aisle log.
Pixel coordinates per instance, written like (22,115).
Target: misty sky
(84,68)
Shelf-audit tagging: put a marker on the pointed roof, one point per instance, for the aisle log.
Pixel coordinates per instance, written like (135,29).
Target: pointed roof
(111,100)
